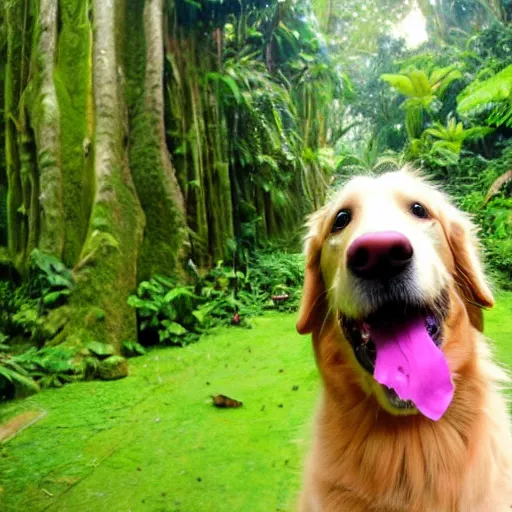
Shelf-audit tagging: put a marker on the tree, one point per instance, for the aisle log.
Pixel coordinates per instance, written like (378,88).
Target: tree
(421,91)
(125,125)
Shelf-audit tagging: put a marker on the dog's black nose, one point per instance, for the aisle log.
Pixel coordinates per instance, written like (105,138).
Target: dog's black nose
(379,255)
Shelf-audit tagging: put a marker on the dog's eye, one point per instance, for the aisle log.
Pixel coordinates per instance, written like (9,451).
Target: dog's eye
(419,211)
(342,220)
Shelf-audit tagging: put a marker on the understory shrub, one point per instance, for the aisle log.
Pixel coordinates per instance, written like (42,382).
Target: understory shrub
(177,314)
(26,364)
(23,308)
(492,213)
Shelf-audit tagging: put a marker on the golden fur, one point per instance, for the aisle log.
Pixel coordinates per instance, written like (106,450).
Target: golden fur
(366,457)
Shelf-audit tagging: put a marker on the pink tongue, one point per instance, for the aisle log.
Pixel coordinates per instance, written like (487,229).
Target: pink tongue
(409,362)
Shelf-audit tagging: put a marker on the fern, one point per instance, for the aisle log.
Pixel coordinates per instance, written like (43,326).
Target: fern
(494,94)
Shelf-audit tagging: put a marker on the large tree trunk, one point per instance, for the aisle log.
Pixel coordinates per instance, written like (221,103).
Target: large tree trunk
(165,236)
(85,149)
(47,130)
(106,274)
(93,110)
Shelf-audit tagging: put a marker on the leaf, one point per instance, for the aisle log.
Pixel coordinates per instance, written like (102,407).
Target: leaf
(176,293)
(493,90)
(401,83)
(447,81)
(100,349)
(132,348)
(201,314)
(174,328)
(165,281)
(438,74)
(53,297)
(420,82)
(496,186)
(224,402)
(229,81)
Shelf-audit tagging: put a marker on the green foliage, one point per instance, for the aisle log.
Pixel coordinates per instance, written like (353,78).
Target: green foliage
(178,315)
(421,92)
(12,374)
(364,159)
(493,95)
(167,308)
(50,366)
(132,349)
(251,114)
(49,278)
(19,312)
(33,369)
(440,145)
(23,309)
(275,275)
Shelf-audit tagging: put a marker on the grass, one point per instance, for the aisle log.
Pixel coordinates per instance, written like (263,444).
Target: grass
(153,441)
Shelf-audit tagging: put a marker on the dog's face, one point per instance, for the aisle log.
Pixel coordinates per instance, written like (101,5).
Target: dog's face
(389,248)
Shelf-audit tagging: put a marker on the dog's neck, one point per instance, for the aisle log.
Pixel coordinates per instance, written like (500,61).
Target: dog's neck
(392,459)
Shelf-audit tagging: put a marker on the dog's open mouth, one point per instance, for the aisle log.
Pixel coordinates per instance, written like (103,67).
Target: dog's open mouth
(399,345)
(359,332)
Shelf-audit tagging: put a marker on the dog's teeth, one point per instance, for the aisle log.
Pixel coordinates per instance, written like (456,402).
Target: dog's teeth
(365,333)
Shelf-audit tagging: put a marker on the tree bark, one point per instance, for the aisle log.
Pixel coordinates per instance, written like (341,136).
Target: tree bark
(47,130)
(165,236)
(73,80)
(14,82)
(106,274)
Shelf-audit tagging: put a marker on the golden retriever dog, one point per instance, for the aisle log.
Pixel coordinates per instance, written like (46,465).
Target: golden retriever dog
(412,417)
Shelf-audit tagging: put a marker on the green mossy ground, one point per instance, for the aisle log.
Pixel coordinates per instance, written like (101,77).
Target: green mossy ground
(154,442)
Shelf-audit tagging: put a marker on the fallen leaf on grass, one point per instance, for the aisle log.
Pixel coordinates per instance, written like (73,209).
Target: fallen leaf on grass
(223,401)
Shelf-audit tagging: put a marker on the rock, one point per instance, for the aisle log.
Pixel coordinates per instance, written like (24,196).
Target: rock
(114,367)
(101,350)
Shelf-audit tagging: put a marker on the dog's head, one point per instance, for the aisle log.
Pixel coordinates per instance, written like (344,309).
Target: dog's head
(383,252)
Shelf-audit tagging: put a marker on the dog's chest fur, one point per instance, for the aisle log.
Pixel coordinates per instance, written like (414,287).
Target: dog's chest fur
(367,460)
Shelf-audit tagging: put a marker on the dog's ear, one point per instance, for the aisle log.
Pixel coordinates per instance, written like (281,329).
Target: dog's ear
(468,273)
(313,306)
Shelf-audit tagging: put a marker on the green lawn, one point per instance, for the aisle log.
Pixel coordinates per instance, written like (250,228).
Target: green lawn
(153,441)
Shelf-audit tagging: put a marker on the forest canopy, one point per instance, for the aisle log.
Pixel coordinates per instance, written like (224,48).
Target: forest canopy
(159,157)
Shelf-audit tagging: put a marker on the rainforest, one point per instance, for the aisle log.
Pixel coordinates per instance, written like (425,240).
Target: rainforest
(157,164)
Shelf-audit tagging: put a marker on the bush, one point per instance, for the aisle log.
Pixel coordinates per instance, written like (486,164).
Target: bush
(494,217)
(24,365)
(176,314)
(169,309)
(279,277)
(23,308)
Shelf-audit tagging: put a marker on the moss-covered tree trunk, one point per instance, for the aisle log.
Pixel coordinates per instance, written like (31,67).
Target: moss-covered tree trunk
(165,237)
(106,273)
(200,136)
(46,121)
(73,82)
(90,179)
(98,94)
(16,72)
